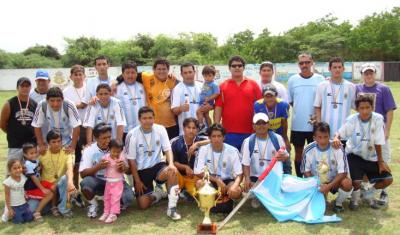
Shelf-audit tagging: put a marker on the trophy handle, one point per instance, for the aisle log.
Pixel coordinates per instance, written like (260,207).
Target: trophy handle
(218,197)
(195,193)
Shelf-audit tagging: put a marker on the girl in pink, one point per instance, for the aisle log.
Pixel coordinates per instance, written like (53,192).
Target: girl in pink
(114,181)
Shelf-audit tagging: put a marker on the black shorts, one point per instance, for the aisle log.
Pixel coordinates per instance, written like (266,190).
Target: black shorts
(226,182)
(79,146)
(147,176)
(360,167)
(298,138)
(173,131)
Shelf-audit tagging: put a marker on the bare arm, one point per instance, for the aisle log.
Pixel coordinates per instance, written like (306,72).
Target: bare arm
(120,132)
(5,115)
(7,197)
(317,111)
(388,124)
(89,135)
(217,114)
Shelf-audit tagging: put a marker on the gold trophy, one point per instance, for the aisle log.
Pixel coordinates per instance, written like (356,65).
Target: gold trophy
(207,199)
(323,170)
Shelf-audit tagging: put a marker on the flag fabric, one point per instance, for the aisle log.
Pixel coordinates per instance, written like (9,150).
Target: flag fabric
(289,197)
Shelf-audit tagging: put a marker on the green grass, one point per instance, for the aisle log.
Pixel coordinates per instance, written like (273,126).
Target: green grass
(246,221)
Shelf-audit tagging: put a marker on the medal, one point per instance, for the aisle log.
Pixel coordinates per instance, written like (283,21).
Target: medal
(150,153)
(370,148)
(23,112)
(23,122)
(261,163)
(149,145)
(55,176)
(335,106)
(224,165)
(345,96)
(134,102)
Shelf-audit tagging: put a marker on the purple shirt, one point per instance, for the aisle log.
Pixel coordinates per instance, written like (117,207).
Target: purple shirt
(383,98)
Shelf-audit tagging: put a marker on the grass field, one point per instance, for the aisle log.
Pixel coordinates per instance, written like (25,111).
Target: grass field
(246,221)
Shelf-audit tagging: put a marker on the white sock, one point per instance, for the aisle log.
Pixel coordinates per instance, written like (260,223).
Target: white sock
(369,194)
(173,196)
(342,196)
(93,202)
(355,196)
(157,196)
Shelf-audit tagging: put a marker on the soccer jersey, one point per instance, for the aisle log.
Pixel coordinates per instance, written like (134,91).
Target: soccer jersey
(336,102)
(275,115)
(36,96)
(208,89)
(282,92)
(32,169)
(189,94)
(225,164)
(262,154)
(301,92)
(362,136)
(112,115)
(76,95)
(55,165)
(314,158)
(57,120)
(159,98)
(132,98)
(91,156)
(147,148)
(91,86)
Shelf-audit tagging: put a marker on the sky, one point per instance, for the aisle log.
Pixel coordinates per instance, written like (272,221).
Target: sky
(26,23)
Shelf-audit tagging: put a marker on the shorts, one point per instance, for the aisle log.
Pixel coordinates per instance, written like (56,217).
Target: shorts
(360,167)
(37,193)
(187,183)
(298,138)
(22,214)
(147,176)
(173,131)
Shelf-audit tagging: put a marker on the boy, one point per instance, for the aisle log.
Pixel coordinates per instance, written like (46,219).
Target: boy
(320,159)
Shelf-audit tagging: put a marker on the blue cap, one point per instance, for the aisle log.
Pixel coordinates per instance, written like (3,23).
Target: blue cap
(42,74)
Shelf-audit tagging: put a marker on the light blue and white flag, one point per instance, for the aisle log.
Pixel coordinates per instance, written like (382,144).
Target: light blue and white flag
(289,197)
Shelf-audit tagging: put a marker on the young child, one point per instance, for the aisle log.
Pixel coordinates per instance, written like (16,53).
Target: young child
(328,164)
(17,207)
(114,182)
(209,92)
(35,188)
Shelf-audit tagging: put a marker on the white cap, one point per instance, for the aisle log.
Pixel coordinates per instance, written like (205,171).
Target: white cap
(260,116)
(368,66)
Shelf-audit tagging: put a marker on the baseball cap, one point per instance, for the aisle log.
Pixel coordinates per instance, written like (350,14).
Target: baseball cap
(23,80)
(260,116)
(368,66)
(270,89)
(42,74)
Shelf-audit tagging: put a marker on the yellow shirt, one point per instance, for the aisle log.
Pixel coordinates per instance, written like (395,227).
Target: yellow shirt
(158,97)
(54,166)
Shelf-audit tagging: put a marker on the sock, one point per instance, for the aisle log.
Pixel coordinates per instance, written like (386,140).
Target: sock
(173,196)
(342,196)
(297,165)
(369,194)
(355,196)
(93,202)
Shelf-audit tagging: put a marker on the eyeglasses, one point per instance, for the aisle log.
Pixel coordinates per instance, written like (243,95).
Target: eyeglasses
(236,66)
(304,62)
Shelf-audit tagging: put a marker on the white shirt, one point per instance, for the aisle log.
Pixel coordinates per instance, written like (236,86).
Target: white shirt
(17,193)
(182,94)
(37,97)
(225,164)
(282,92)
(76,95)
(90,157)
(112,115)
(147,148)
(91,86)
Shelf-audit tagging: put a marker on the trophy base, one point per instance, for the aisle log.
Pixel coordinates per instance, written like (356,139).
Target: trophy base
(207,228)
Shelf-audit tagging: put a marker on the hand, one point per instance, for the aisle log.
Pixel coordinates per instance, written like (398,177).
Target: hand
(205,107)
(93,100)
(172,170)
(42,149)
(192,149)
(69,149)
(139,187)
(324,188)
(121,166)
(185,107)
(71,188)
(336,143)
(282,156)
(102,164)
(189,171)
(45,191)
(383,167)
(11,213)
(230,191)
(222,186)
(247,184)
(287,145)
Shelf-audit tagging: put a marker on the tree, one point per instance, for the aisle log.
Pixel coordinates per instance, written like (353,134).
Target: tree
(45,51)
(81,51)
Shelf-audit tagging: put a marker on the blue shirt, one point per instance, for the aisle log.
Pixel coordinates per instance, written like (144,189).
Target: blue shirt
(275,115)
(208,89)
(180,149)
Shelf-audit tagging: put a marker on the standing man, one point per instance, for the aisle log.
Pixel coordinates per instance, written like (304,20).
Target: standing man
(384,104)
(335,97)
(158,86)
(301,90)
(186,95)
(235,104)
(42,80)
(266,74)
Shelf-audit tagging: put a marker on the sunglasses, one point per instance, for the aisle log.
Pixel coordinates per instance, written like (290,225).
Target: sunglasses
(304,62)
(261,123)
(236,66)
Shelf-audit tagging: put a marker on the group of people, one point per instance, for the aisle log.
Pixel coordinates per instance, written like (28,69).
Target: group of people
(125,138)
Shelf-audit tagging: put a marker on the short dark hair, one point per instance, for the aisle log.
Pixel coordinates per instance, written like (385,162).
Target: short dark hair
(321,127)
(145,109)
(216,127)
(54,92)
(129,65)
(268,64)
(77,68)
(160,61)
(53,135)
(103,86)
(236,58)
(188,64)
(101,57)
(208,69)
(11,162)
(27,146)
(364,98)
(101,128)
(335,59)
(187,121)
(116,144)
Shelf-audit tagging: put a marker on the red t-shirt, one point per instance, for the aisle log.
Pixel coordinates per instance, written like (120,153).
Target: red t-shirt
(237,102)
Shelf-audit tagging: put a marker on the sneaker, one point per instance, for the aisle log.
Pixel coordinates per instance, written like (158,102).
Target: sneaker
(372,203)
(383,199)
(78,201)
(160,190)
(92,211)
(4,217)
(353,206)
(103,217)
(124,207)
(68,215)
(111,219)
(255,203)
(173,214)
(337,209)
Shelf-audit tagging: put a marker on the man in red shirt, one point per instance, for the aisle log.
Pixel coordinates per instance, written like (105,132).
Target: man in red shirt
(235,103)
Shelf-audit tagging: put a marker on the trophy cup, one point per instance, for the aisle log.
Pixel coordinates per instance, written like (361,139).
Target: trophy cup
(207,199)
(323,170)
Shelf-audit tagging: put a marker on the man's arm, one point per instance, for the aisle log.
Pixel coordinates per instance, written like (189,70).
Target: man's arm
(89,135)
(120,132)
(217,114)
(5,115)
(317,111)
(388,124)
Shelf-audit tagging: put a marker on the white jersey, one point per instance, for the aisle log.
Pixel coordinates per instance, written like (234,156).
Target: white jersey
(182,94)
(132,98)
(225,164)
(363,136)
(112,115)
(147,148)
(91,86)
(336,102)
(36,96)
(57,120)
(282,92)
(90,157)
(314,157)
(262,154)
(76,95)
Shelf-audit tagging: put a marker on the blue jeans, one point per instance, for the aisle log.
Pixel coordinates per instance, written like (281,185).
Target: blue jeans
(22,214)
(235,139)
